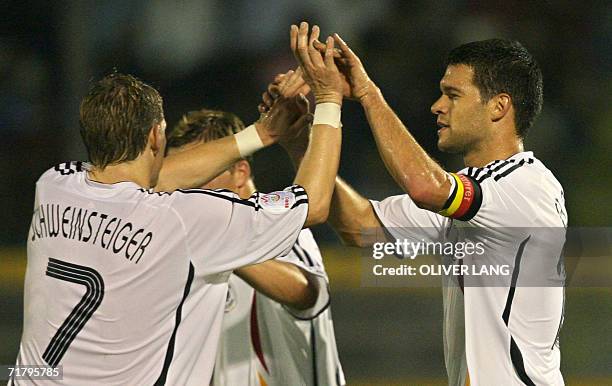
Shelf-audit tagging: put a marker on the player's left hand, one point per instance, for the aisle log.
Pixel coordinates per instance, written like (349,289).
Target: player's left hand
(356,84)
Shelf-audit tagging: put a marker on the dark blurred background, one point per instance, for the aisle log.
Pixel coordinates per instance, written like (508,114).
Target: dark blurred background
(222,54)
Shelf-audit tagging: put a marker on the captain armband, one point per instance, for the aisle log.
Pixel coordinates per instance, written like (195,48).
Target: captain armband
(465,198)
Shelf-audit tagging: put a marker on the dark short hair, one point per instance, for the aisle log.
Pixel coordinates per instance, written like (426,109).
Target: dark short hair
(116,117)
(203,126)
(504,66)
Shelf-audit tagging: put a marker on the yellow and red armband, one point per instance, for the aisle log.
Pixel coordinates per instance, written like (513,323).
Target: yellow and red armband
(464,200)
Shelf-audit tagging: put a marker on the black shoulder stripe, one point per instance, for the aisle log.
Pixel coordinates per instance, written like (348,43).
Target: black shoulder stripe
(509,170)
(220,195)
(67,168)
(300,202)
(488,171)
(223,190)
(297,188)
(494,163)
(471,171)
(501,165)
(503,169)
(151,191)
(493,166)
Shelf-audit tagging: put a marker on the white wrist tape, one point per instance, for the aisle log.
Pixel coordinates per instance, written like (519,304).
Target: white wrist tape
(248,141)
(327,114)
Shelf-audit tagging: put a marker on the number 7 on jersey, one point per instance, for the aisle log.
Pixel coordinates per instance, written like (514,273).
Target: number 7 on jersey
(80,314)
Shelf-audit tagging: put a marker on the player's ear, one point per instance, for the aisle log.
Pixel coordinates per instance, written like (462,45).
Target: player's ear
(241,173)
(500,106)
(157,137)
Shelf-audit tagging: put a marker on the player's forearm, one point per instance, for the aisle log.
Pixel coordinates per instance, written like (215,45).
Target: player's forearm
(411,167)
(282,282)
(318,170)
(351,215)
(296,154)
(196,166)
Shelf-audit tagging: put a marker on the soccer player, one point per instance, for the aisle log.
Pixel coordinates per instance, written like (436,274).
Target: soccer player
(111,262)
(281,334)
(491,94)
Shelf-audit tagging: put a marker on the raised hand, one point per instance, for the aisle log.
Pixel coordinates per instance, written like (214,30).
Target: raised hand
(356,83)
(284,118)
(319,71)
(289,84)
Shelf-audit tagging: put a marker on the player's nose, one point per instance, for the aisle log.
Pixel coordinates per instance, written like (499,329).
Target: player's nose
(437,107)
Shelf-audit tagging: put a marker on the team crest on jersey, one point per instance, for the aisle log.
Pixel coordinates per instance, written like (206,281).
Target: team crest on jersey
(277,201)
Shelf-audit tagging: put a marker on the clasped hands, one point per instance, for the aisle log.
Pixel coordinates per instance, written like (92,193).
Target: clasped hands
(330,73)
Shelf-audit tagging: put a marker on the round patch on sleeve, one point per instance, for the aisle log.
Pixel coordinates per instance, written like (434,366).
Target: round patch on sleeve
(277,202)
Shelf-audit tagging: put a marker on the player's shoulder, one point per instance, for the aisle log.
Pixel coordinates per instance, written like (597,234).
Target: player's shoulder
(215,198)
(273,202)
(63,170)
(522,172)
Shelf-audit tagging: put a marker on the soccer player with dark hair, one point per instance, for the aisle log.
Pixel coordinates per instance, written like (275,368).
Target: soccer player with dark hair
(277,328)
(491,94)
(111,262)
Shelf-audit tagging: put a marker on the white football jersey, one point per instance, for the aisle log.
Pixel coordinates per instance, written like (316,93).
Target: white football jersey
(516,208)
(110,267)
(267,344)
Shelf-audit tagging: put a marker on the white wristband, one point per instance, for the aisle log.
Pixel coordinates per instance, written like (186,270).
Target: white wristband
(327,114)
(248,141)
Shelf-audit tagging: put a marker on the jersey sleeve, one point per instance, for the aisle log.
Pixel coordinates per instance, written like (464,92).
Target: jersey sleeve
(498,200)
(224,232)
(403,219)
(305,254)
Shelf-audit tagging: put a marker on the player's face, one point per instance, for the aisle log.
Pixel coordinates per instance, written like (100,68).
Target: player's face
(462,115)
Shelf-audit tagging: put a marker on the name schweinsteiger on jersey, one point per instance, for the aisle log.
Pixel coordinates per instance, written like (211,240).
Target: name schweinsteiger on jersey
(111,266)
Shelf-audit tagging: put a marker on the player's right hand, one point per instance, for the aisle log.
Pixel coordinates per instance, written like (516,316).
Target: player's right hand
(319,71)
(284,118)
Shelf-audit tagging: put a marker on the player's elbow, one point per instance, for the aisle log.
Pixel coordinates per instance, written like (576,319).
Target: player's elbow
(317,214)
(427,198)
(305,297)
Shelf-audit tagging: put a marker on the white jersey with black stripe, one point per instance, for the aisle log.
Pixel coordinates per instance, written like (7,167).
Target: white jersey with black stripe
(516,208)
(266,344)
(110,267)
